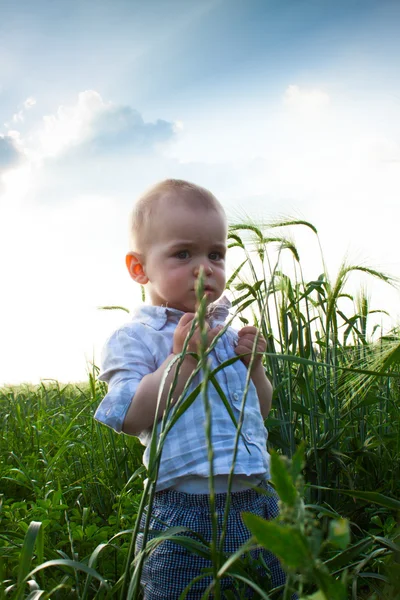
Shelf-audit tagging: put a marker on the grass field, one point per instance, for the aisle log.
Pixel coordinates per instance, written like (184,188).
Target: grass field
(71,489)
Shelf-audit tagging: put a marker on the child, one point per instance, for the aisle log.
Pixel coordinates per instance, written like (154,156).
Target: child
(177,229)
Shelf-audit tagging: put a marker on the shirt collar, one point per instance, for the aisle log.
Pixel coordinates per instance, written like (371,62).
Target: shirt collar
(158,316)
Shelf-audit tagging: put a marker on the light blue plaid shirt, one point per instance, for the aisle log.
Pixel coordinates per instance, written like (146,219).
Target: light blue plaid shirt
(139,348)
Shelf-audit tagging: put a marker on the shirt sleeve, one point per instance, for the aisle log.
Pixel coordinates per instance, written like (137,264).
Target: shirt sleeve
(125,360)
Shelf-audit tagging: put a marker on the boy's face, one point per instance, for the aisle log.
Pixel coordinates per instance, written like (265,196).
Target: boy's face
(182,240)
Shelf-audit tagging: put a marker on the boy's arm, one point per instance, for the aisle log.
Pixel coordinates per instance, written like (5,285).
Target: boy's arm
(142,410)
(264,389)
(143,407)
(247,337)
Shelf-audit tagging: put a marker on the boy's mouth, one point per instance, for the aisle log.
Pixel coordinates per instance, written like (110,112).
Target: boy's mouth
(208,289)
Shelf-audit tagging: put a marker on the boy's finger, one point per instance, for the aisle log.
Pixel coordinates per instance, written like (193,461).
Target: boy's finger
(247,347)
(212,333)
(251,338)
(243,350)
(187,318)
(248,329)
(247,339)
(215,331)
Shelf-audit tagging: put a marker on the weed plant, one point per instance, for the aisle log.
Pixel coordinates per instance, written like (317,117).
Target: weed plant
(73,492)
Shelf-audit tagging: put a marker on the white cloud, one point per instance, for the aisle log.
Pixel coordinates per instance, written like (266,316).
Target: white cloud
(70,125)
(93,126)
(29,102)
(179,125)
(19,116)
(10,154)
(90,126)
(90,131)
(305,100)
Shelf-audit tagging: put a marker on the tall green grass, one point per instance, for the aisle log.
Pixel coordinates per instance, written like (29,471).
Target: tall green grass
(333,388)
(72,490)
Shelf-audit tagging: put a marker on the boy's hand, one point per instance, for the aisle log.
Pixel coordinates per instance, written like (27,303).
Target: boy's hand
(182,330)
(245,345)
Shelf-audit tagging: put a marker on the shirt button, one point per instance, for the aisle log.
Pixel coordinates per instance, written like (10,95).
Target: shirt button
(235,396)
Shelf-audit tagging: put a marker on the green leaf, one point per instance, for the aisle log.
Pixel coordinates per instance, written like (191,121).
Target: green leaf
(317,596)
(285,541)
(374,497)
(61,562)
(303,410)
(227,405)
(333,589)
(290,222)
(92,563)
(113,308)
(367,575)
(388,543)
(235,273)
(322,511)
(348,555)
(339,533)
(271,422)
(282,480)
(35,595)
(33,535)
(297,462)
(369,400)
(185,541)
(235,557)
(262,594)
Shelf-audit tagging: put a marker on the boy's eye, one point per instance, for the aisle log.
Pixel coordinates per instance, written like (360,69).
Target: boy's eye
(182,254)
(215,256)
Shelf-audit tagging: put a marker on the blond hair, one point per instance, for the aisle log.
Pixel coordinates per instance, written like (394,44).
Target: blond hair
(146,206)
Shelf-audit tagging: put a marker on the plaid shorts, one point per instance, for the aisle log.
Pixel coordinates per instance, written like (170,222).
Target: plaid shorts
(170,567)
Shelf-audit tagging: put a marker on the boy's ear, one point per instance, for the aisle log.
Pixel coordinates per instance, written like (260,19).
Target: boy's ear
(134,263)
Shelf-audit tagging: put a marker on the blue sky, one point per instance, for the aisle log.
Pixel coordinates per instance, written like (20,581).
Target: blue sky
(280,107)
(161,54)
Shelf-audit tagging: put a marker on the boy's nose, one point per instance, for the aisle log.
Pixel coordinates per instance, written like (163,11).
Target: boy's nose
(206,267)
